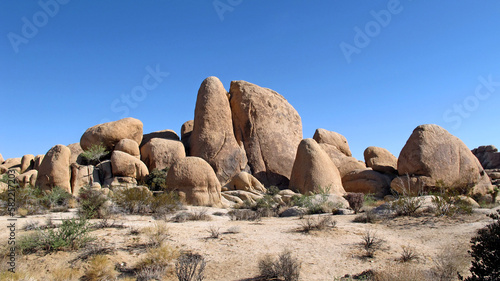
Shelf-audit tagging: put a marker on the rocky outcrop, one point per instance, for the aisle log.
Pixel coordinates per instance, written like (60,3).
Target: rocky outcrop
(345,164)
(161,153)
(367,181)
(313,170)
(128,146)
(11,163)
(164,134)
(186,131)
(432,157)
(38,161)
(83,176)
(27,178)
(27,162)
(1,159)
(195,181)
(488,156)
(269,128)
(54,169)
(381,160)
(109,134)
(334,139)
(126,165)
(76,150)
(213,136)
(246,182)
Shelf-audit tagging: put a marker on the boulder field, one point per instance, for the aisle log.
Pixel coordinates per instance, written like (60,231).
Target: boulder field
(246,140)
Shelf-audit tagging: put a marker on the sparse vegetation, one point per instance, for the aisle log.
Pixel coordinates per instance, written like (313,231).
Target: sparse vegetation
(371,243)
(100,268)
(406,205)
(319,223)
(190,267)
(156,180)
(157,234)
(133,200)
(355,200)
(244,215)
(214,232)
(408,254)
(285,267)
(368,216)
(28,201)
(449,263)
(165,204)
(197,215)
(94,154)
(156,262)
(92,203)
(57,199)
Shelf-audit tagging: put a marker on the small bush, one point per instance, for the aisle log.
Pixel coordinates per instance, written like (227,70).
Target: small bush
(407,205)
(156,180)
(31,225)
(157,260)
(309,224)
(355,200)
(156,234)
(367,217)
(448,264)
(199,215)
(408,254)
(92,203)
(56,199)
(28,201)
(94,154)
(190,267)
(273,190)
(214,232)
(164,204)
(486,252)
(133,200)
(244,215)
(100,268)
(266,206)
(371,243)
(94,249)
(286,267)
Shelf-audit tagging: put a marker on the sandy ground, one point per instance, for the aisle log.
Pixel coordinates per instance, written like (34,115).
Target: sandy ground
(324,255)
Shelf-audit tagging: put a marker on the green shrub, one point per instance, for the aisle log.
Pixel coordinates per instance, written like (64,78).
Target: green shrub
(486,252)
(164,204)
(273,190)
(133,200)
(28,201)
(92,203)
(156,180)
(94,154)
(309,224)
(407,205)
(56,199)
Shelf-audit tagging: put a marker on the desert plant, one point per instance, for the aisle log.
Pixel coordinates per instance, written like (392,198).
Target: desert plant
(164,204)
(156,261)
(94,154)
(156,179)
(28,201)
(190,267)
(93,249)
(355,200)
(197,215)
(371,243)
(214,232)
(408,254)
(65,274)
(273,190)
(368,216)
(448,263)
(156,234)
(244,215)
(485,252)
(99,268)
(133,200)
(92,204)
(286,267)
(309,223)
(406,205)
(56,199)
(266,206)
(31,225)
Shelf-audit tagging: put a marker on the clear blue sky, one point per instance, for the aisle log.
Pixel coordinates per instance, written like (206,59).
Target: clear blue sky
(423,65)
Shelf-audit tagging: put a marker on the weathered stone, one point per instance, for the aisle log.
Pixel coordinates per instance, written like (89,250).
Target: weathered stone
(186,131)
(314,170)
(438,158)
(38,161)
(196,182)
(381,160)
(27,178)
(232,198)
(83,176)
(367,181)
(270,130)
(333,138)
(294,212)
(128,146)
(1,159)
(161,153)
(76,150)
(54,169)
(11,163)
(105,172)
(245,181)
(126,165)
(164,134)
(344,164)
(245,195)
(109,134)
(121,182)
(488,156)
(213,136)
(27,162)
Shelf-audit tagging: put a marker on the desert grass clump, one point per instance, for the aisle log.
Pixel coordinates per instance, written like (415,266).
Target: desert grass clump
(408,254)
(99,268)
(133,200)
(356,201)
(198,215)
(155,263)
(92,204)
(190,267)
(285,267)
(156,234)
(368,216)
(165,204)
(62,273)
(214,232)
(449,263)
(57,199)
(404,272)
(244,215)
(371,243)
(319,223)
(31,225)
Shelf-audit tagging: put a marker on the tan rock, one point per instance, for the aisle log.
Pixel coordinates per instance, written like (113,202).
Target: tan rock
(381,160)
(232,198)
(126,165)
(38,161)
(161,153)
(270,130)
(10,163)
(247,196)
(344,164)
(333,138)
(76,150)
(54,169)
(196,182)
(129,146)
(213,136)
(435,156)
(1,159)
(164,134)
(27,162)
(246,182)
(83,176)
(109,134)
(3,186)
(121,182)
(314,170)
(367,181)
(186,131)
(27,178)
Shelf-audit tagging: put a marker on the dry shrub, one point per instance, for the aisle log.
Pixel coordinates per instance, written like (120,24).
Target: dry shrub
(367,217)
(286,267)
(100,268)
(156,234)
(190,267)
(134,200)
(244,215)
(214,232)
(309,224)
(156,262)
(199,215)
(165,204)
(405,272)
(408,254)
(17,276)
(61,273)
(449,263)
(355,200)
(371,243)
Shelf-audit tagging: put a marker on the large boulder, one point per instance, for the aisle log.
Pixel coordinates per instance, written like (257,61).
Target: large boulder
(54,169)
(126,165)
(129,146)
(270,130)
(76,150)
(433,158)
(186,131)
(367,181)
(83,176)
(164,134)
(345,164)
(11,163)
(213,136)
(108,134)
(381,160)
(27,178)
(334,139)
(313,170)
(488,156)
(161,153)
(246,182)
(27,162)
(38,161)
(196,182)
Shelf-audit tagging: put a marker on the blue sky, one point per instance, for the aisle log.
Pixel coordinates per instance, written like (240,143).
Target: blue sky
(68,65)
